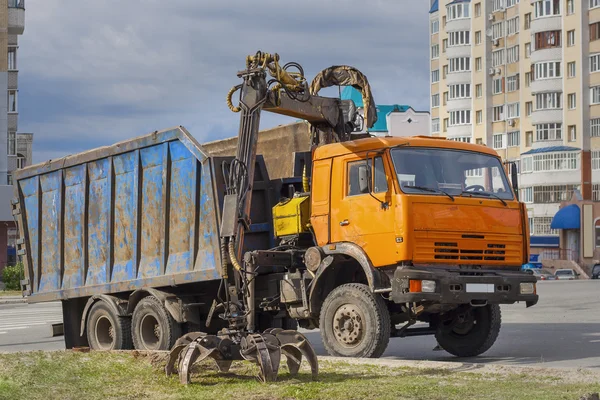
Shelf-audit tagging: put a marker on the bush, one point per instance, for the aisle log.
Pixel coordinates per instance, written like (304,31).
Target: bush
(12,275)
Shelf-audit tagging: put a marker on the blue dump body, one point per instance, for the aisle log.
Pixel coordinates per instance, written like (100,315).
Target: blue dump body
(141,213)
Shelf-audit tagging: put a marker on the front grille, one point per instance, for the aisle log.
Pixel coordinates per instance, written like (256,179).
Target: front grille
(475,248)
(452,251)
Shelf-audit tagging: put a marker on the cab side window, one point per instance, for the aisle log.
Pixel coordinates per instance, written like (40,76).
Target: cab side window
(379,179)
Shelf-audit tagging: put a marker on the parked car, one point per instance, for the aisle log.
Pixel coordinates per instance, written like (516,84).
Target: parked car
(530,266)
(565,274)
(543,274)
(596,271)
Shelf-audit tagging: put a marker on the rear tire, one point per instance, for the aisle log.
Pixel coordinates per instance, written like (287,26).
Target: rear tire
(355,322)
(153,327)
(473,336)
(107,330)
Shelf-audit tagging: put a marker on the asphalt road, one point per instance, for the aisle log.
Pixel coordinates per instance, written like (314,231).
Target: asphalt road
(562,330)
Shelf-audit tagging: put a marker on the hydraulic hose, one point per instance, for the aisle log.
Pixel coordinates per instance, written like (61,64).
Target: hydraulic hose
(232,256)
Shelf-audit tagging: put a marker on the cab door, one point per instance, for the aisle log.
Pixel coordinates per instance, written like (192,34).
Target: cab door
(362,216)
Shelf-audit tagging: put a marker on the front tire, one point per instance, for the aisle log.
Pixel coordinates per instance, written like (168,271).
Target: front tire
(355,322)
(471,332)
(153,327)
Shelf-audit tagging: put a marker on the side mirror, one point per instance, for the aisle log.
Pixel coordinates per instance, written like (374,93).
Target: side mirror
(364,179)
(514,177)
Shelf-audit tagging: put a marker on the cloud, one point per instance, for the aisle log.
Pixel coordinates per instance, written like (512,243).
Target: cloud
(96,72)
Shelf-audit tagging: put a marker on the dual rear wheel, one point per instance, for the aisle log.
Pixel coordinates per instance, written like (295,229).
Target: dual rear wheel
(151,327)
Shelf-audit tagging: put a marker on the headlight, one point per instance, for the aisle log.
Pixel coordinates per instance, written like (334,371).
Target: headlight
(428,286)
(527,288)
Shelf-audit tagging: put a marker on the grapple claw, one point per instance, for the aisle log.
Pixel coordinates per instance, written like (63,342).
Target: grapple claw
(296,344)
(264,350)
(200,349)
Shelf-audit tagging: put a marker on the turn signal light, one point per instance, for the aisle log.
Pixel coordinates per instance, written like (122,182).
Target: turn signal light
(421,286)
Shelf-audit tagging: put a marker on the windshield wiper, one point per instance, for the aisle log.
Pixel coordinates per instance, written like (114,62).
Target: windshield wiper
(426,189)
(485,194)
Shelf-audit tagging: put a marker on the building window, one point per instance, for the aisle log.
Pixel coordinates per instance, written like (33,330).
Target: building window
(570,7)
(527,195)
(435,125)
(478,90)
(541,226)
(546,8)
(547,70)
(444,21)
(595,31)
(20,161)
(572,101)
(478,10)
(571,38)
(445,71)
(478,37)
(459,38)
(528,139)
(527,79)
(595,62)
(460,91)
(549,194)
(435,100)
(512,26)
(513,139)
(499,5)
(528,108)
(595,127)
(547,40)
(572,133)
(548,101)
(510,3)
(498,140)
(512,83)
(478,64)
(444,45)
(12,144)
(498,58)
(596,197)
(512,111)
(435,76)
(445,98)
(446,123)
(498,113)
(12,58)
(9,179)
(548,162)
(464,139)
(457,11)
(594,3)
(595,95)
(527,23)
(571,69)
(435,51)
(460,64)
(596,160)
(527,50)
(479,141)
(545,132)
(497,85)
(12,101)
(435,26)
(479,116)
(498,30)
(460,117)
(512,54)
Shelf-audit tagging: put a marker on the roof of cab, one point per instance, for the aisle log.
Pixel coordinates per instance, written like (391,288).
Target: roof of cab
(377,143)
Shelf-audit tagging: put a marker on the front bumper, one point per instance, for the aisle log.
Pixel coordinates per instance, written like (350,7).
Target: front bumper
(452,286)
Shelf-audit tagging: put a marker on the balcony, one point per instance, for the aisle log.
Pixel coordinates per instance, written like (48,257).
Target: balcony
(546,116)
(16,17)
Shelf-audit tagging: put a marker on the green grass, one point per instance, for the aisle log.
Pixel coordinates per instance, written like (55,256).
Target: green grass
(10,293)
(68,375)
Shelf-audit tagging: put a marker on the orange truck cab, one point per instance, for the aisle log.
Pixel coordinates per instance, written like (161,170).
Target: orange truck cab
(411,229)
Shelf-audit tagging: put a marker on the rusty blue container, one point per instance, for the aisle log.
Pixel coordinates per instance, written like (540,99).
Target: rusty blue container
(141,213)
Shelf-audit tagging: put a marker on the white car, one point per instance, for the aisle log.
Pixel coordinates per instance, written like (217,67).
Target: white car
(565,274)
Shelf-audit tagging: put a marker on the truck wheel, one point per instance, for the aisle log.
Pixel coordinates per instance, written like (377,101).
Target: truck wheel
(153,327)
(472,332)
(355,322)
(106,330)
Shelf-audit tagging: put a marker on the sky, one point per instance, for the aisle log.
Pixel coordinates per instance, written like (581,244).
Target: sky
(95,72)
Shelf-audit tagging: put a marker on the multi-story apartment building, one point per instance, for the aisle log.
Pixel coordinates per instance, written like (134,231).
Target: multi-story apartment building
(12,24)
(523,77)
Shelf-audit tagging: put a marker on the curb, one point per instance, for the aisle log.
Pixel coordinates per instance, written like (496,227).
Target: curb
(12,300)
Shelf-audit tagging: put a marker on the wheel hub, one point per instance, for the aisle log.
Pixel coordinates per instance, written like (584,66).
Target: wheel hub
(464,323)
(347,325)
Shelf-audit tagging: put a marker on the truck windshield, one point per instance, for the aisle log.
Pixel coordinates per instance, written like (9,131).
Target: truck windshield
(435,171)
